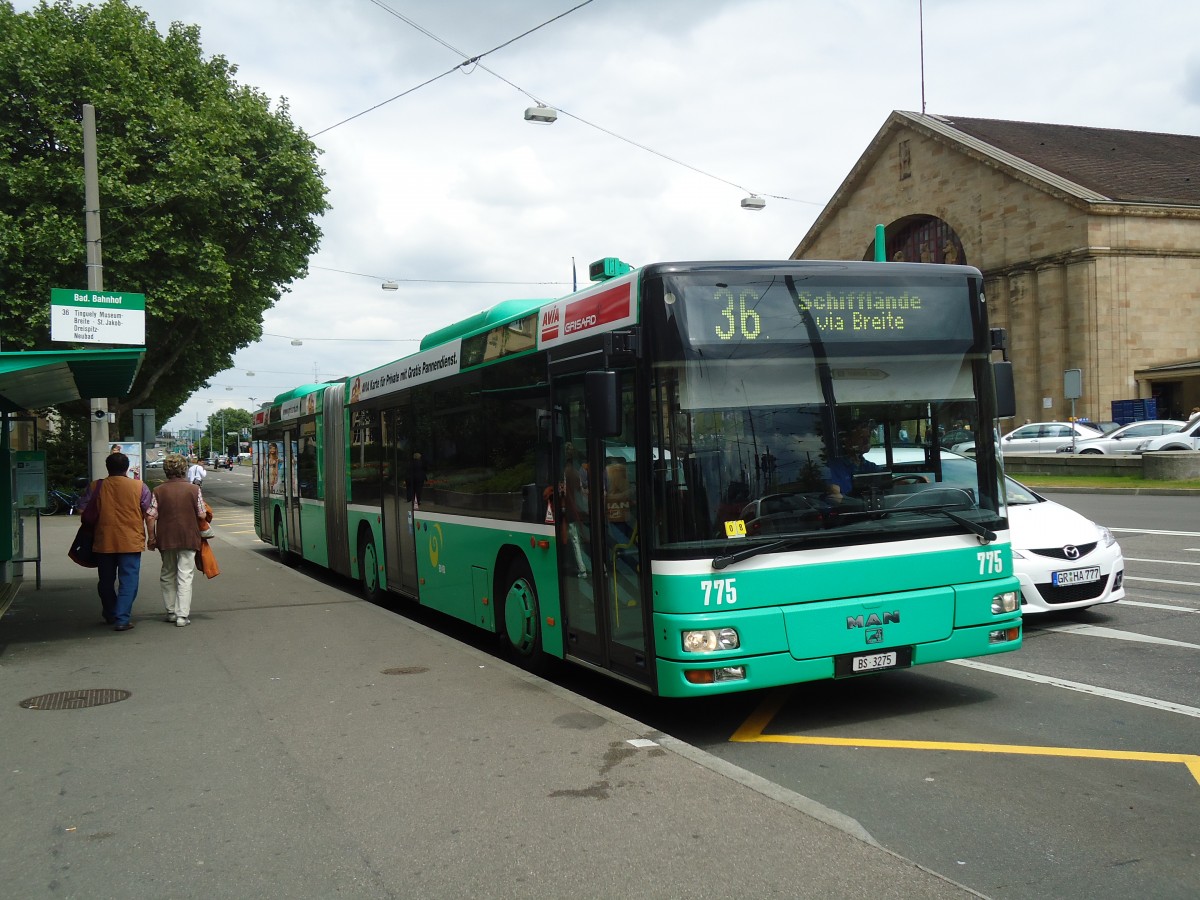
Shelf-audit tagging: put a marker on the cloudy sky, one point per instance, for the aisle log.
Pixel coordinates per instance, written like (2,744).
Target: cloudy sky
(671,111)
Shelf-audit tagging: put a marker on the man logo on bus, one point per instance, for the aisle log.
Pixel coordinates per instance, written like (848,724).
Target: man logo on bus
(550,323)
(889,618)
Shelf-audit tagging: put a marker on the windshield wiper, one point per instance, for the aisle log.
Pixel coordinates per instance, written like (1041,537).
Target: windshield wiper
(721,562)
(985,533)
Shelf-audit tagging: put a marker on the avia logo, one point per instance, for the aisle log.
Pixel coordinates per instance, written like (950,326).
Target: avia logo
(889,618)
(1071,551)
(550,323)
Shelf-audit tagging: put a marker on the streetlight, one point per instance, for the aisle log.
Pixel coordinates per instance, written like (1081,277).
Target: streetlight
(209,423)
(541,113)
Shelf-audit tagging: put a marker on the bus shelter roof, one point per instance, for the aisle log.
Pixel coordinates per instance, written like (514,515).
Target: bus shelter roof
(33,379)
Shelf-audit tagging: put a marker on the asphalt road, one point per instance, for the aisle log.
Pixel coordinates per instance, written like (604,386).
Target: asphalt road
(1070,769)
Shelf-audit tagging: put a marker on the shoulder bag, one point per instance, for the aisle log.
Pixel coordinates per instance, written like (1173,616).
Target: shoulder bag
(81,552)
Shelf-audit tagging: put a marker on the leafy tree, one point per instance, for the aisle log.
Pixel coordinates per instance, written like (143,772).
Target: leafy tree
(221,422)
(66,447)
(209,197)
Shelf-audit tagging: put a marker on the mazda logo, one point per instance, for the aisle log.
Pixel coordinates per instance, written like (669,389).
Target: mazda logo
(1071,551)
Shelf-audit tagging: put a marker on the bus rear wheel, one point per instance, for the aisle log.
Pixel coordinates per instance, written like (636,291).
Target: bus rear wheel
(520,619)
(285,555)
(368,570)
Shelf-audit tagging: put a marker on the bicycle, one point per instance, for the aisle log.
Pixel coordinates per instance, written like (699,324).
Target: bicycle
(58,500)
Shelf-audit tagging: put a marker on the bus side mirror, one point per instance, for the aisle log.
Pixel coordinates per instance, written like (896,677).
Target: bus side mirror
(1006,392)
(602,393)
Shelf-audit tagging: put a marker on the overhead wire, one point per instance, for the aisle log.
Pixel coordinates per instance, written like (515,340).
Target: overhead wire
(343,339)
(434,280)
(475,61)
(466,62)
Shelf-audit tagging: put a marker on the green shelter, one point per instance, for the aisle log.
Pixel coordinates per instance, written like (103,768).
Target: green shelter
(39,378)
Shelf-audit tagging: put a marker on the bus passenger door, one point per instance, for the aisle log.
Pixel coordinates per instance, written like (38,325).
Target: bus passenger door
(291,488)
(601,571)
(400,554)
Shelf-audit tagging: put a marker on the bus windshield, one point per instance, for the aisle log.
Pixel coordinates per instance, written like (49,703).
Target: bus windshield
(821,410)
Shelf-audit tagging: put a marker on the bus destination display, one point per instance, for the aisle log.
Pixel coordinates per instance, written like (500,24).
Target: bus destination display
(724,314)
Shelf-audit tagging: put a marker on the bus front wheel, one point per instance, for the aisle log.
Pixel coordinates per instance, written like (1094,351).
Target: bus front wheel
(520,618)
(368,570)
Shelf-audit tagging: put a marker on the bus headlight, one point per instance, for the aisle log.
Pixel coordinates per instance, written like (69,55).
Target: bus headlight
(710,640)
(1006,602)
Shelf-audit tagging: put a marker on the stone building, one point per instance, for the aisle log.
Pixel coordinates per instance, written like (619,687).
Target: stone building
(1088,239)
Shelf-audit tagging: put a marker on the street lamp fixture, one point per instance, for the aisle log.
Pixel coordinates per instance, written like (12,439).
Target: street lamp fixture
(541,113)
(390,286)
(753,202)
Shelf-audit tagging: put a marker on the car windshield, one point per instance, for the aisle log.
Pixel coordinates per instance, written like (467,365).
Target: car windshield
(1019,495)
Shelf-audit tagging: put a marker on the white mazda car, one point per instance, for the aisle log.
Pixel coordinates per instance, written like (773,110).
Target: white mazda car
(1063,560)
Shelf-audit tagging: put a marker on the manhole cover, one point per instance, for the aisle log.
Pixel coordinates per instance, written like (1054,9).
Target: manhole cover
(406,670)
(76,699)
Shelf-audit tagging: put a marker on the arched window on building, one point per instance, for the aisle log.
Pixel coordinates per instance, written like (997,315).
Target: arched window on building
(921,239)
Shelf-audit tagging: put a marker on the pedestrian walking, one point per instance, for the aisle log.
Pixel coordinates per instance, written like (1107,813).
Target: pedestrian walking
(122,507)
(196,472)
(177,533)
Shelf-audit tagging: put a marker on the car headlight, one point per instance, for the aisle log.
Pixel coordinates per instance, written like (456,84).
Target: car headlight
(1106,536)
(1017,554)
(710,640)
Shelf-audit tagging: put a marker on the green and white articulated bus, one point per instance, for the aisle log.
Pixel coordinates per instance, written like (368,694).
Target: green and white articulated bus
(661,477)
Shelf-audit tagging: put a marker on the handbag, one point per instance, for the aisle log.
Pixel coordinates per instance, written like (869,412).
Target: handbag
(81,551)
(206,560)
(91,513)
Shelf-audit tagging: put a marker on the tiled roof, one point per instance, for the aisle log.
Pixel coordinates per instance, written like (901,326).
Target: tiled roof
(1130,166)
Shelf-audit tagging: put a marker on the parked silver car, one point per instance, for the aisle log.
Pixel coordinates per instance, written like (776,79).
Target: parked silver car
(1039,437)
(1125,440)
(1187,438)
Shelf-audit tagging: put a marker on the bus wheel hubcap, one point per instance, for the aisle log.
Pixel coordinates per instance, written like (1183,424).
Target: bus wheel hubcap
(370,568)
(518,616)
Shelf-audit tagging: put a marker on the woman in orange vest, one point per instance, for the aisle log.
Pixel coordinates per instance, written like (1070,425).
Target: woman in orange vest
(120,507)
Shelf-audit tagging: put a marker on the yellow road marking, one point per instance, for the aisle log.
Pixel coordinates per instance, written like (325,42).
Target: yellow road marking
(752,731)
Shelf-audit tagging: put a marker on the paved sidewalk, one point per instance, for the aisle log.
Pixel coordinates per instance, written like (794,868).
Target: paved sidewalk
(297,742)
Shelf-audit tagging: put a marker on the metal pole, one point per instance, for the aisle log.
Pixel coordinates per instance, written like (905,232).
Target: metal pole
(95,279)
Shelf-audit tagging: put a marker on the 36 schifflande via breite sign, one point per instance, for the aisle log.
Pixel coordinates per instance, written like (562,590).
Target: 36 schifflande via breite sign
(97,317)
